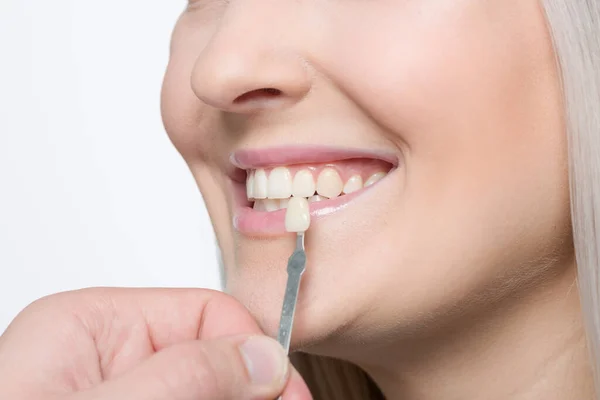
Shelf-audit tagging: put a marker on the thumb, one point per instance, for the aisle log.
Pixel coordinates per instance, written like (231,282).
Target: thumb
(230,368)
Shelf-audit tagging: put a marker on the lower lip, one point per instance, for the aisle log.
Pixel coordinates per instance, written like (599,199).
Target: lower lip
(259,223)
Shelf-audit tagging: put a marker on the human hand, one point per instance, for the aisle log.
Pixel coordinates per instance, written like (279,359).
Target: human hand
(142,344)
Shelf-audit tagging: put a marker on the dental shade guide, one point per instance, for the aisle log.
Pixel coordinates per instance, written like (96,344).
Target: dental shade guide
(297,220)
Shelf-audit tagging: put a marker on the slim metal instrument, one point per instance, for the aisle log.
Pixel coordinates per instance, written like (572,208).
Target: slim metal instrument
(295,269)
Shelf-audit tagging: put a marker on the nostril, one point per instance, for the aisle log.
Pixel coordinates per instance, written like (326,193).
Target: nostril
(258,94)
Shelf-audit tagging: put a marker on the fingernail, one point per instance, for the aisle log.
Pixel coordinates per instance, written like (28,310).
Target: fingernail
(265,360)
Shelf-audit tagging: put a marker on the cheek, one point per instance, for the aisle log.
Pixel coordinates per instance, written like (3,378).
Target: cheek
(192,128)
(181,109)
(490,143)
(475,105)
(475,102)
(190,124)
(446,72)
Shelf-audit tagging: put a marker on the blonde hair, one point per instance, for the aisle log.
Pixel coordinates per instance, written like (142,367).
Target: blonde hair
(575,29)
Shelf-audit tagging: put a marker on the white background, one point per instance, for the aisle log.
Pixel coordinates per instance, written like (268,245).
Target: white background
(92,193)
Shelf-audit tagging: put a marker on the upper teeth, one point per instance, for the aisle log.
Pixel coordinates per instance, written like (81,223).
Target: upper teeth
(329,183)
(304,184)
(354,183)
(274,190)
(374,178)
(260,186)
(279,184)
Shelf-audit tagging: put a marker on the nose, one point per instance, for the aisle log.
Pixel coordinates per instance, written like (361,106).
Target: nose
(248,65)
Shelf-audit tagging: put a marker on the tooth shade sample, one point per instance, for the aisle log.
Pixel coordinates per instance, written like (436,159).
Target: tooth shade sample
(354,183)
(250,185)
(315,198)
(303,184)
(260,184)
(329,183)
(280,183)
(297,216)
(374,178)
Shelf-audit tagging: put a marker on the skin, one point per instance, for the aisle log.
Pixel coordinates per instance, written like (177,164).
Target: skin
(145,344)
(458,268)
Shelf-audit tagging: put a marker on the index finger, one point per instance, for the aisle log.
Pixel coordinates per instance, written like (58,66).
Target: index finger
(171,315)
(103,332)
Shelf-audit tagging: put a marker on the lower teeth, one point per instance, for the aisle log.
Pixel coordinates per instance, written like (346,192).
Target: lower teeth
(270,205)
(316,198)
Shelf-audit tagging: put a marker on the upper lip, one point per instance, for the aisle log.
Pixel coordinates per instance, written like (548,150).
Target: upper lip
(289,155)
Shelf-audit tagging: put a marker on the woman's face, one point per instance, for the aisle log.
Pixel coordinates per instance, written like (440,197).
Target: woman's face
(456,100)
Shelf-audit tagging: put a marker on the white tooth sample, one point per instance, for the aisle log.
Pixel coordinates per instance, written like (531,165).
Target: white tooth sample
(315,198)
(283,203)
(250,185)
(329,183)
(271,204)
(354,183)
(304,184)
(297,216)
(259,205)
(260,184)
(374,178)
(280,183)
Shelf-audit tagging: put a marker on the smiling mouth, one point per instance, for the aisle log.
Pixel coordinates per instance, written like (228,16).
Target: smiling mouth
(328,179)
